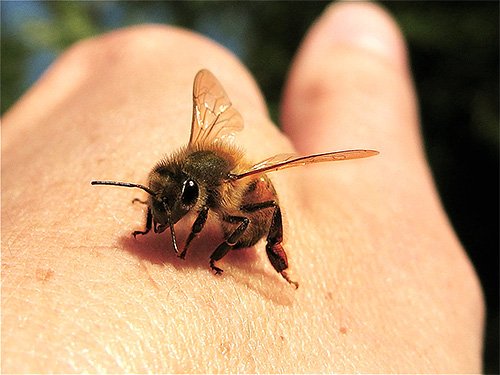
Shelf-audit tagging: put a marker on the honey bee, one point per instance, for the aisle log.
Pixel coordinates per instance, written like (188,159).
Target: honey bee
(211,176)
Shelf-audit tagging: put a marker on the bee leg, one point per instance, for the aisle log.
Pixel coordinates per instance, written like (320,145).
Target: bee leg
(138,200)
(227,245)
(149,224)
(274,250)
(197,227)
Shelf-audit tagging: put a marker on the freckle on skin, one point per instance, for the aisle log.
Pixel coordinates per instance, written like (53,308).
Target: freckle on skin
(44,274)
(225,348)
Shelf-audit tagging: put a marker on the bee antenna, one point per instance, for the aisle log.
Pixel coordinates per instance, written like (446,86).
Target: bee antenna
(125,184)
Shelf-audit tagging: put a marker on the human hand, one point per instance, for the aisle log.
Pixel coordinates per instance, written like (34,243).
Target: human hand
(384,283)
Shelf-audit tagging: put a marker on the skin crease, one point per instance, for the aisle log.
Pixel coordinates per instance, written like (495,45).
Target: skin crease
(385,286)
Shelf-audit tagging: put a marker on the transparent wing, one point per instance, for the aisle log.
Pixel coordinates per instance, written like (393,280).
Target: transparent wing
(282,161)
(213,116)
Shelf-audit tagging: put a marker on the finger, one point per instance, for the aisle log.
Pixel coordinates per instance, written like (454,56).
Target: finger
(105,102)
(109,108)
(136,86)
(349,86)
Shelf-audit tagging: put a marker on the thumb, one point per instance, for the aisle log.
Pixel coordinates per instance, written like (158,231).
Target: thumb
(350,86)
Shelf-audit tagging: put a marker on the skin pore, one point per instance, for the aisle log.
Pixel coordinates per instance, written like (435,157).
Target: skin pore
(385,285)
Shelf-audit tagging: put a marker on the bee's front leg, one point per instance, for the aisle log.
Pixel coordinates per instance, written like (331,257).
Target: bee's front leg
(197,227)
(149,224)
(224,247)
(139,200)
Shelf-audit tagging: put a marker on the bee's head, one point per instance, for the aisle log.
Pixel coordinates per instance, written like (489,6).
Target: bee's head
(171,198)
(175,195)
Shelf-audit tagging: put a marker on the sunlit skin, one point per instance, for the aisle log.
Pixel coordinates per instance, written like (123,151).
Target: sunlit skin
(211,174)
(385,286)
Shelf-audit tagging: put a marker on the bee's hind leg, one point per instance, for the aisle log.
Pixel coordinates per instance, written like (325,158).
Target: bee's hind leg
(274,250)
(227,245)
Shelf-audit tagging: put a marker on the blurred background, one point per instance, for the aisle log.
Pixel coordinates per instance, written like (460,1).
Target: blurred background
(454,52)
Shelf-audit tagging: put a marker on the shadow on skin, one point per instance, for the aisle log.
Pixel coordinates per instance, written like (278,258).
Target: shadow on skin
(245,266)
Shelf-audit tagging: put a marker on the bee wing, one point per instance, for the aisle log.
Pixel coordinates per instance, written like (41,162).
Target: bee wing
(213,116)
(282,161)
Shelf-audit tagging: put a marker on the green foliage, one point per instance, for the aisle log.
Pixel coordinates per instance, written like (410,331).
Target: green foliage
(13,59)
(70,21)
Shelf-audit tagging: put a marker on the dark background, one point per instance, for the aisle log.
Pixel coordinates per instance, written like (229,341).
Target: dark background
(454,51)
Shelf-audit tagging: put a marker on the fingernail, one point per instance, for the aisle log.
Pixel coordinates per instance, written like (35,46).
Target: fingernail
(366,26)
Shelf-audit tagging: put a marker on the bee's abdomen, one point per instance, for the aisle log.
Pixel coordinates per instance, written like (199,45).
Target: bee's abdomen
(259,190)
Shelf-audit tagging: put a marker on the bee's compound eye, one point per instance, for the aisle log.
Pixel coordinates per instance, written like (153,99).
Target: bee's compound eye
(189,192)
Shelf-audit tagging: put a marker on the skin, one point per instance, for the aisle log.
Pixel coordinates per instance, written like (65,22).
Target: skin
(385,285)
